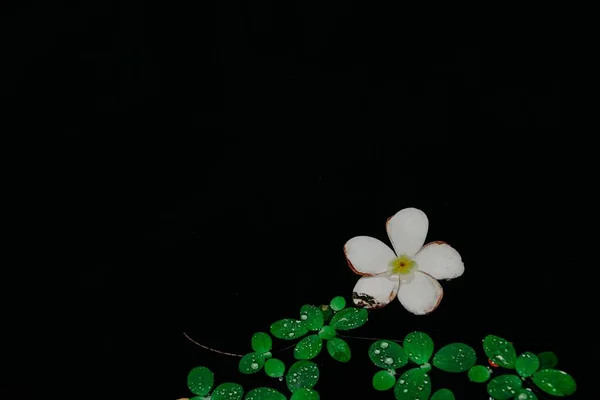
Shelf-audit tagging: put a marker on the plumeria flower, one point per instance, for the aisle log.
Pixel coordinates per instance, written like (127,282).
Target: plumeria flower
(409,272)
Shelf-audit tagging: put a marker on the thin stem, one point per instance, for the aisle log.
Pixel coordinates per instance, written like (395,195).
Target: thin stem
(211,349)
(367,338)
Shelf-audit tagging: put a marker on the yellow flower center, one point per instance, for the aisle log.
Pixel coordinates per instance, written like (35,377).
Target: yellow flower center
(402,265)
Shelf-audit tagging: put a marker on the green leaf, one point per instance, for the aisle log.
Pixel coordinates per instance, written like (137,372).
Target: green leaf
(339,350)
(479,374)
(412,385)
(312,317)
(555,382)
(525,394)
(387,354)
(308,348)
(200,380)
(338,303)
(500,351)
(251,363)
(264,393)
(443,394)
(303,374)
(305,394)
(349,318)
(274,368)
(455,357)
(418,346)
(228,391)
(527,364)
(288,329)
(383,380)
(261,342)
(547,360)
(327,312)
(504,386)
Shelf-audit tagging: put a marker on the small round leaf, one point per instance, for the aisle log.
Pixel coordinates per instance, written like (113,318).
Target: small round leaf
(251,363)
(504,387)
(308,348)
(525,394)
(274,368)
(303,374)
(547,360)
(443,394)
(339,350)
(387,354)
(228,391)
(261,342)
(418,347)
(305,394)
(455,357)
(383,380)
(349,318)
(338,303)
(479,374)
(200,380)
(412,385)
(288,329)
(555,382)
(312,317)
(500,351)
(264,393)
(526,364)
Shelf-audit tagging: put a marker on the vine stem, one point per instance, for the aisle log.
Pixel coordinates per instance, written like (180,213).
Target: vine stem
(225,353)
(210,348)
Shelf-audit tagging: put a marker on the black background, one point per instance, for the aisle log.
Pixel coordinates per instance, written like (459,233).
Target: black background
(210,161)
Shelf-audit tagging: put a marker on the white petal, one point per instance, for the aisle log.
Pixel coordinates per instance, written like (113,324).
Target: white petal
(440,260)
(407,230)
(422,295)
(374,291)
(368,256)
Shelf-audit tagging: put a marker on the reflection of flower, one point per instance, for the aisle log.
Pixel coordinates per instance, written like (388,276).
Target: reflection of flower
(410,273)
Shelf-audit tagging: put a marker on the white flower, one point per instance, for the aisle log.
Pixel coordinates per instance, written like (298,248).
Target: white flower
(411,273)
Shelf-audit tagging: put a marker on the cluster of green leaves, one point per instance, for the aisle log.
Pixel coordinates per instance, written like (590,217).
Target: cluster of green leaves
(539,369)
(417,348)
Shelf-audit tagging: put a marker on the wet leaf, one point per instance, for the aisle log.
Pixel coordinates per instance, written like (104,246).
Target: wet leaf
(387,354)
(504,387)
(337,303)
(305,394)
(288,329)
(261,342)
(200,380)
(264,393)
(312,317)
(308,348)
(455,357)
(554,382)
(418,347)
(339,350)
(303,374)
(228,391)
(526,364)
(500,351)
(412,385)
(349,318)
(251,363)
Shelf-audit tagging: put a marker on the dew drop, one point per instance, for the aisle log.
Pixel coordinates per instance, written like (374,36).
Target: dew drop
(389,361)
(303,317)
(384,345)
(254,366)
(377,351)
